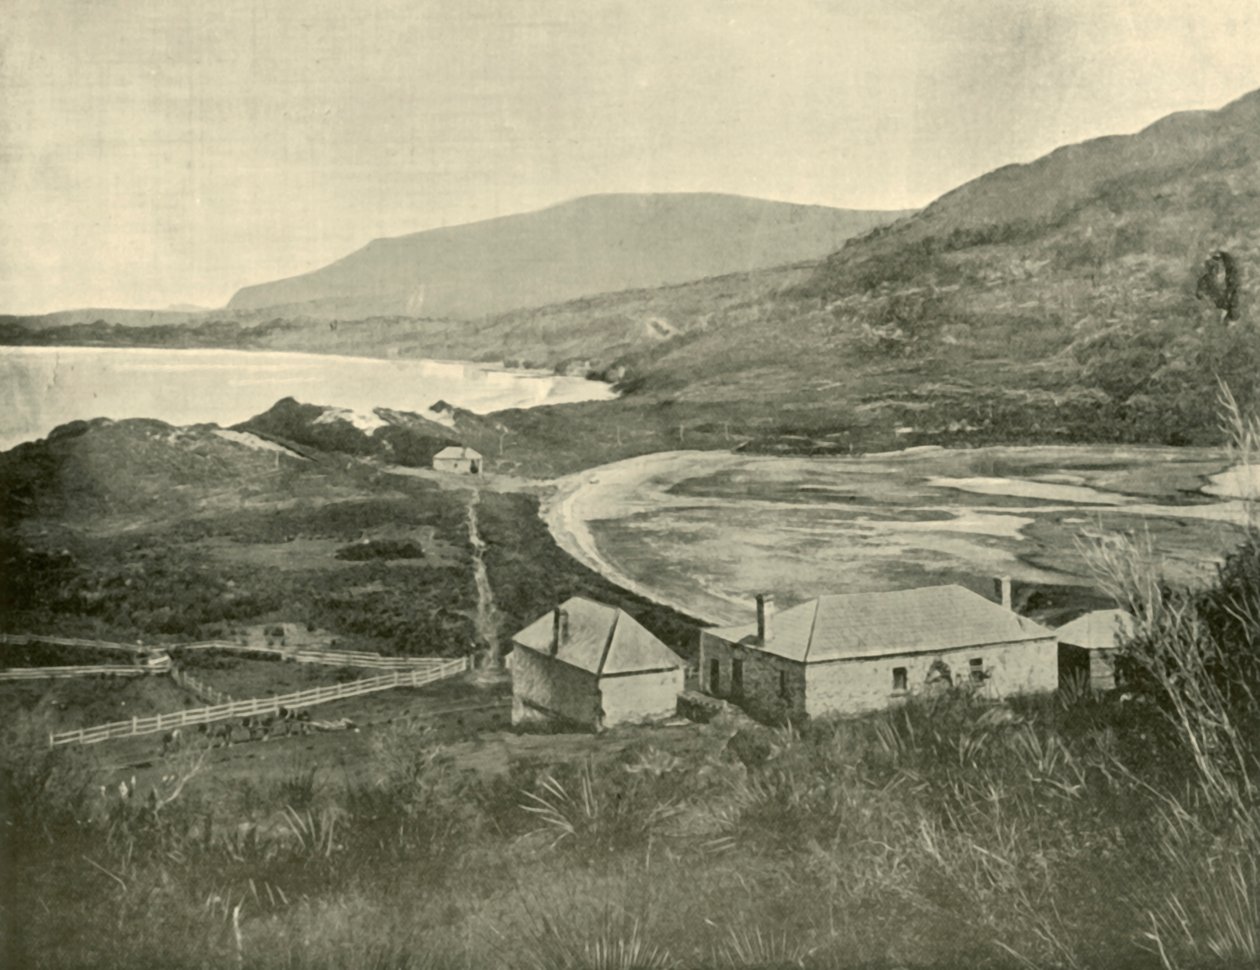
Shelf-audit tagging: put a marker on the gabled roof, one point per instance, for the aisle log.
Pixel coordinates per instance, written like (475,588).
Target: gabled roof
(1099,630)
(924,620)
(602,640)
(456,451)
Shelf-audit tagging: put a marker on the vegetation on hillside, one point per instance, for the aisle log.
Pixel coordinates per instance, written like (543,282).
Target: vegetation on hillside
(402,439)
(530,574)
(1070,831)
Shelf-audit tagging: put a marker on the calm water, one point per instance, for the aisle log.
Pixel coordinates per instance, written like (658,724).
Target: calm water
(42,387)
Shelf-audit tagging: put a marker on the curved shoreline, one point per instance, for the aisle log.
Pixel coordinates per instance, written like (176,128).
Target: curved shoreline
(578,499)
(641,485)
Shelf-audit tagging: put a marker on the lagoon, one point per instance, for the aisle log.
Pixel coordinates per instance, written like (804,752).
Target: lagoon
(704,532)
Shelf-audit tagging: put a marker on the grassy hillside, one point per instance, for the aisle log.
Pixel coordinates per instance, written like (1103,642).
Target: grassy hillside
(1074,831)
(589,245)
(139,530)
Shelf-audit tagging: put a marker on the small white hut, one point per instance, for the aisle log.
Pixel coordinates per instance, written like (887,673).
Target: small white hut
(458,460)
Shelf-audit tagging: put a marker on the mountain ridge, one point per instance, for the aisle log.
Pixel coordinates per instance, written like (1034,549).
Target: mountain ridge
(573,249)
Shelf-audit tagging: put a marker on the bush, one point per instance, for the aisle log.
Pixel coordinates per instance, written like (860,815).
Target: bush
(43,790)
(595,812)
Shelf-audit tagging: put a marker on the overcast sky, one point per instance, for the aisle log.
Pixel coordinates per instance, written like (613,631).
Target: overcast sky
(167,151)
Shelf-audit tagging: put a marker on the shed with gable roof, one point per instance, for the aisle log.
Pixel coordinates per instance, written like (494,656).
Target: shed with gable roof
(1088,647)
(459,460)
(593,666)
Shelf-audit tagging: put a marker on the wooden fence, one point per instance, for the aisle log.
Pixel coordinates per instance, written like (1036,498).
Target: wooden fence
(231,646)
(259,705)
(200,688)
(24,638)
(349,658)
(331,658)
(99,670)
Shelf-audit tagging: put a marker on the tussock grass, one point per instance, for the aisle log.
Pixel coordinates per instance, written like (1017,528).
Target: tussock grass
(596,812)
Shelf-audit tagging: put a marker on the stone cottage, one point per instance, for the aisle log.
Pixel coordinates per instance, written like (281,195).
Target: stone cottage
(1088,646)
(592,666)
(857,652)
(459,460)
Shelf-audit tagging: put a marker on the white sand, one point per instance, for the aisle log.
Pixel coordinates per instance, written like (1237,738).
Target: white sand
(255,442)
(364,421)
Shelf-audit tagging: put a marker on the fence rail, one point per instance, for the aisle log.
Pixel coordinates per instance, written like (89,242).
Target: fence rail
(334,658)
(331,658)
(347,658)
(200,688)
(259,705)
(99,670)
(24,638)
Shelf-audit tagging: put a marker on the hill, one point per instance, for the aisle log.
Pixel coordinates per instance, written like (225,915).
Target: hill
(87,470)
(1041,302)
(393,437)
(120,530)
(586,246)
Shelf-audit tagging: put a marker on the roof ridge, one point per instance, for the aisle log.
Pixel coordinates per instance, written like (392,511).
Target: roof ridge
(612,632)
(813,623)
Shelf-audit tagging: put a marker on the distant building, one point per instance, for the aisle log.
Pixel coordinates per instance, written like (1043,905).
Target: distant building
(1088,645)
(459,460)
(592,666)
(847,654)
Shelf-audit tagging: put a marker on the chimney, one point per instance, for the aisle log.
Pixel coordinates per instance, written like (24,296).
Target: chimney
(1002,590)
(765,613)
(559,629)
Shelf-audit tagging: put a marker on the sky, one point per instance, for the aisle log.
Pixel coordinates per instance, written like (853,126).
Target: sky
(163,152)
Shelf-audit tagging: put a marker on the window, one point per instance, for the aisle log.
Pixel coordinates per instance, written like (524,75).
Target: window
(715,676)
(737,677)
(784,691)
(899,679)
(977,670)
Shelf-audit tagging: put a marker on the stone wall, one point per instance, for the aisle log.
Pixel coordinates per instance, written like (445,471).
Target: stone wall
(857,685)
(545,689)
(1102,669)
(650,696)
(773,688)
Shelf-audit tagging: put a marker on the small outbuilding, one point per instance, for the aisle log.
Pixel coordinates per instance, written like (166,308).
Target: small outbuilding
(592,666)
(458,460)
(1088,646)
(858,652)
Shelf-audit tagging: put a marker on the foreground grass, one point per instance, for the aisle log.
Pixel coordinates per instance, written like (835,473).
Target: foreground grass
(1073,831)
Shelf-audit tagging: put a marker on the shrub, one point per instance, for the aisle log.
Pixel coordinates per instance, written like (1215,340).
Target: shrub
(43,790)
(381,549)
(595,812)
